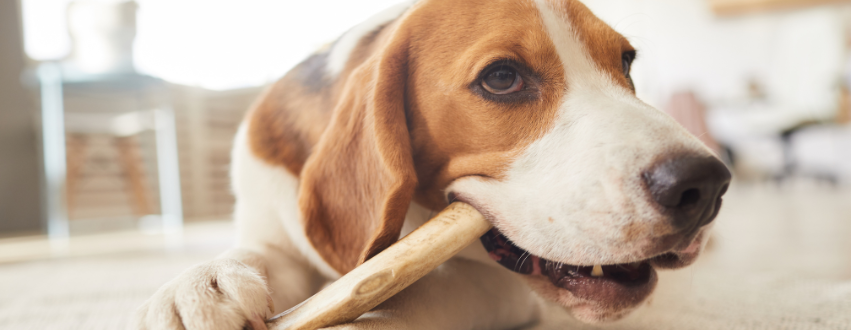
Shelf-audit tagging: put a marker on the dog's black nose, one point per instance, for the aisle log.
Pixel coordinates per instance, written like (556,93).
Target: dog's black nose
(689,188)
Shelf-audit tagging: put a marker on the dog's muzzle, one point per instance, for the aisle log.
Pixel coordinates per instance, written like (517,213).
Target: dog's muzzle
(629,283)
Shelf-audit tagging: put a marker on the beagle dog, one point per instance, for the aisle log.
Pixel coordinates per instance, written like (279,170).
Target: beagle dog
(524,109)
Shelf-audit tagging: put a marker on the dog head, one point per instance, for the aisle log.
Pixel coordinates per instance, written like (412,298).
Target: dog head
(524,109)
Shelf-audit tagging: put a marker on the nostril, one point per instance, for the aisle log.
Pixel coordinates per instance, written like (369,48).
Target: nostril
(688,188)
(690,197)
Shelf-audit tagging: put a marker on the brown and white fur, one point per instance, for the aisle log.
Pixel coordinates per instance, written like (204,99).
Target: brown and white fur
(365,140)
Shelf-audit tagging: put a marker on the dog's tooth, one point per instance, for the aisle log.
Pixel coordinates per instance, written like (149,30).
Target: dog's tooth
(597,271)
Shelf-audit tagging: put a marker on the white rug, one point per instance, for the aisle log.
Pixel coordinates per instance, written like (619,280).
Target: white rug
(778,260)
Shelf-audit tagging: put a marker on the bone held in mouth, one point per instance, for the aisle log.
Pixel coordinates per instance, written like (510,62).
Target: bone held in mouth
(389,272)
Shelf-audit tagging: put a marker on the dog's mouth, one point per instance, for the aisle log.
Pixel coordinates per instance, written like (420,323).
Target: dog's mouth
(627,284)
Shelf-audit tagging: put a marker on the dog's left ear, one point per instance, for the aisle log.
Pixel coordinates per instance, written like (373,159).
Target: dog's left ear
(359,180)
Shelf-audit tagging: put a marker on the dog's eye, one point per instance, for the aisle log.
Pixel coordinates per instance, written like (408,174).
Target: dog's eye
(627,59)
(502,80)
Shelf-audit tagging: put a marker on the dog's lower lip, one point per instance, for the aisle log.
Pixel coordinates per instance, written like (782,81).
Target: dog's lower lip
(629,283)
(622,286)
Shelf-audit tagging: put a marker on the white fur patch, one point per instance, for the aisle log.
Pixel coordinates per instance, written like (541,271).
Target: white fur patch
(267,209)
(344,46)
(576,194)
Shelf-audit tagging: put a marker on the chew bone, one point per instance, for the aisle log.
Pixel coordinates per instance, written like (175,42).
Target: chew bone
(389,272)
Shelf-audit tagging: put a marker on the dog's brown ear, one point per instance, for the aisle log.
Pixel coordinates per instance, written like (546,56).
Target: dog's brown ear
(358,182)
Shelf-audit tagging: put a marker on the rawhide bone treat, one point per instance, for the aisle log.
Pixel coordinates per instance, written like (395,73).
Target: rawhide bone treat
(387,273)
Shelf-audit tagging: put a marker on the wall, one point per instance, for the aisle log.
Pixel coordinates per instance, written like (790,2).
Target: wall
(796,55)
(19,159)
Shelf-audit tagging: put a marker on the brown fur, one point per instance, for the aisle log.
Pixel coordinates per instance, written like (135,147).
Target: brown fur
(404,119)
(603,43)
(357,185)
(403,99)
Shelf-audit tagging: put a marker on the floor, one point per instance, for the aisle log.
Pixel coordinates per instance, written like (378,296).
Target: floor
(96,281)
(780,258)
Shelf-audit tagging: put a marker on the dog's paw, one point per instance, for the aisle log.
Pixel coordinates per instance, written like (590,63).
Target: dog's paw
(218,295)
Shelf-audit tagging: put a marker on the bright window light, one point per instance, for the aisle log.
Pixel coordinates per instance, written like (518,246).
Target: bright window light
(231,44)
(45,29)
(216,44)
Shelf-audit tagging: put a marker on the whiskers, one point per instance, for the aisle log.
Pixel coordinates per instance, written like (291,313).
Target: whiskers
(521,260)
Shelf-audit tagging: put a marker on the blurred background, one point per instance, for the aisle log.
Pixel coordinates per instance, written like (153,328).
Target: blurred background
(116,120)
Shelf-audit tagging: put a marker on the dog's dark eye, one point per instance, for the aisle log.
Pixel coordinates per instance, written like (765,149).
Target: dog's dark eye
(627,59)
(502,80)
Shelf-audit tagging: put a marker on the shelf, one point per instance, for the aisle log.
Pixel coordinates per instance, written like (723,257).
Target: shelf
(737,7)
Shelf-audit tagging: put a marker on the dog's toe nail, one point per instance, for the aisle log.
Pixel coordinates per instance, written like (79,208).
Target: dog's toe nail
(257,322)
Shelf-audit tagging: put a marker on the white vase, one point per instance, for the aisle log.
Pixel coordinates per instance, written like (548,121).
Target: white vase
(102,34)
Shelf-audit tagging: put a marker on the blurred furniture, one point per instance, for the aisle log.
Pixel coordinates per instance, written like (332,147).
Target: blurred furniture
(95,92)
(772,142)
(120,106)
(691,113)
(820,152)
(120,132)
(844,114)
